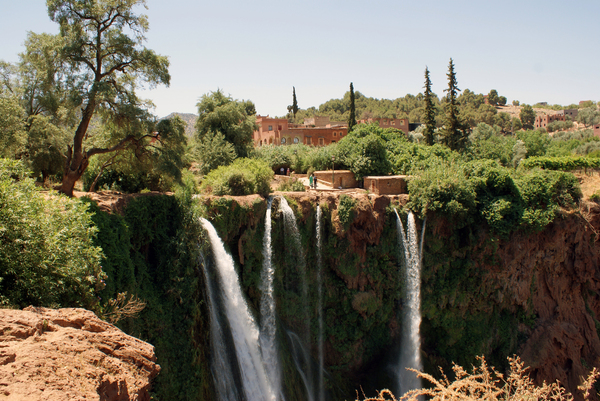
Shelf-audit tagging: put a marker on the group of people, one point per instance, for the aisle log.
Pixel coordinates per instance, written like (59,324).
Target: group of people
(312,181)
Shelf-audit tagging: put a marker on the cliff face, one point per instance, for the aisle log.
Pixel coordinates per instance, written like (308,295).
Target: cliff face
(556,274)
(533,294)
(70,354)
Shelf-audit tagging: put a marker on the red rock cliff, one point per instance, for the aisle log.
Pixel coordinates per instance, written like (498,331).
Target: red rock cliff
(70,354)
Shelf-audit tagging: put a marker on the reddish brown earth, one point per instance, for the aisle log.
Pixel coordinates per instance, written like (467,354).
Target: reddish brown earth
(70,354)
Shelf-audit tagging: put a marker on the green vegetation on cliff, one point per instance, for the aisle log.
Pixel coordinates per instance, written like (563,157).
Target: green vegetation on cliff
(47,252)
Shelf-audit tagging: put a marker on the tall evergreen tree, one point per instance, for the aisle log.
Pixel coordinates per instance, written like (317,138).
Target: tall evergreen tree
(429,110)
(294,102)
(454,134)
(352,117)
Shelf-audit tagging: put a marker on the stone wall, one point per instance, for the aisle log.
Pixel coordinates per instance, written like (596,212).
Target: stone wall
(387,185)
(343,178)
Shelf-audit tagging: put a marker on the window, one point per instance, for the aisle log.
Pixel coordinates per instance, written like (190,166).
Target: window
(393,122)
(296,140)
(270,128)
(335,134)
(321,141)
(308,140)
(282,141)
(279,127)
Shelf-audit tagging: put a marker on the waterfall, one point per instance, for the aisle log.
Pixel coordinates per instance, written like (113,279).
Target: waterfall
(294,249)
(221,366)
(410,353)
(244,330)
(320,305)
(268,323)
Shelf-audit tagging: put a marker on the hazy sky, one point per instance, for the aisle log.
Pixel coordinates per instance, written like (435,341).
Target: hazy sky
(529,50)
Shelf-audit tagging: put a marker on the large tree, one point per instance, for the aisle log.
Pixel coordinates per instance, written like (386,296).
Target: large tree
(454,134)
(588,116)
(235,120)
(104,62)
(429,115)
(527,116)
(352,117)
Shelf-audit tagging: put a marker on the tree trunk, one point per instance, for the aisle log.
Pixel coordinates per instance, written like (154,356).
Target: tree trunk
(74,169)
(77,159)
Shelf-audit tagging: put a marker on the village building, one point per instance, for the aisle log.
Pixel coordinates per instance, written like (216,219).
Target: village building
(597,130)
(542,120)
(572,113)
(398,123)
(317,131)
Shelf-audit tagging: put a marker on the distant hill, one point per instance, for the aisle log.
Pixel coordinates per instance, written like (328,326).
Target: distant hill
(189,119)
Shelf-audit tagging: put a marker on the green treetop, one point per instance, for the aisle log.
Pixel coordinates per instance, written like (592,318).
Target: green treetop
(352,117)
(235,120)
(429,116)
(454,135)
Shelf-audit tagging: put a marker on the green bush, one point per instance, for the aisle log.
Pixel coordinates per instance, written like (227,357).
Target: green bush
(443,187)
(346,210)
(47,254)
(242,177)
(567,163)
(363,152)
(543,193)
(292,186)
(484,191)
(499,202)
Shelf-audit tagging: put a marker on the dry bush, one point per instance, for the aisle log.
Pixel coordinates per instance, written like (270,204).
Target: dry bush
(485,383)
(123,306)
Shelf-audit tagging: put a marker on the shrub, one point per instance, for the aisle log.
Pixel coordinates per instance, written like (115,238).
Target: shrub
(346,210)
(47,256)
(242,177)
(364,151)
(543,193)
(443,187)
(292,186)
(486,383)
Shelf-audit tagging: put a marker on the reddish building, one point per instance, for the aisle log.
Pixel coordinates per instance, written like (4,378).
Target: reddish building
(398,123)
(542,120)
(277,131)
(597,130)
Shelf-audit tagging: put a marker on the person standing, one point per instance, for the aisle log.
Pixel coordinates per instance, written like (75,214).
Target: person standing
(310,180)
(315,182)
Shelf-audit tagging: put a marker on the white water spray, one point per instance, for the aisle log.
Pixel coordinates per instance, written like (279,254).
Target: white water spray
(268,322)
(244,331)
(320,305)
(221,370)
(410,353)
(294,246)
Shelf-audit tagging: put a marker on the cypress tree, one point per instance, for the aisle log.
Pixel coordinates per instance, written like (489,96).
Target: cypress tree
(429,110)
(294,102)
(455,136)
(352,117)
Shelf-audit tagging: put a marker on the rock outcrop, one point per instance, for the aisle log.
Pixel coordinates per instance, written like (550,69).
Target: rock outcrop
(70,354)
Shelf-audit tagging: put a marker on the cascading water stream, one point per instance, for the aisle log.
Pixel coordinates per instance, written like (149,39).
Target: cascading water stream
(254,378)
(410,353)
(294,247)
(223,375)
(320,305)
(268,323)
